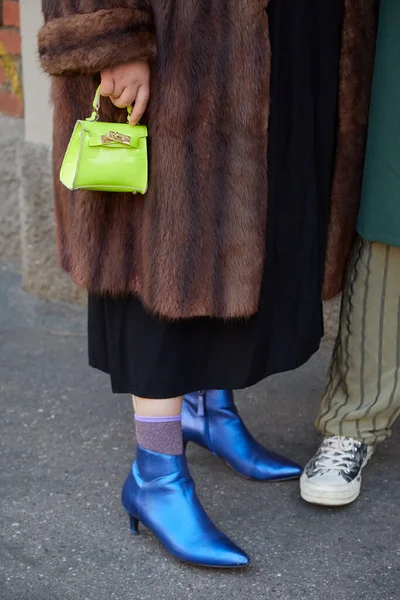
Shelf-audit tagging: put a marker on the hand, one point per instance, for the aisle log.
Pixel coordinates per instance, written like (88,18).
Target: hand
(127,84)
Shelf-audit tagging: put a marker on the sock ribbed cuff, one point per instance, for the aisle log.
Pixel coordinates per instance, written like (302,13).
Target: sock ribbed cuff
(158,419)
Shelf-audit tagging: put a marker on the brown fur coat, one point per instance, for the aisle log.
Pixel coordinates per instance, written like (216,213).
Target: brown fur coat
(195,244)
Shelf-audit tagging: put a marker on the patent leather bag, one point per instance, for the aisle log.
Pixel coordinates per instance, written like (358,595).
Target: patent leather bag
(106,157)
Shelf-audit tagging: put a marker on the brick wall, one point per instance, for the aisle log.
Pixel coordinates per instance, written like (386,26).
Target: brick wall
(11,97)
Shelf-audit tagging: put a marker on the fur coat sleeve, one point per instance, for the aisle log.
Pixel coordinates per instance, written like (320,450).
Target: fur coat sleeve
(86,37)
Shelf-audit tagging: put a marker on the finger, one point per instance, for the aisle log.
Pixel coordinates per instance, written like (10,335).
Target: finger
(119,89)
(107,84)
(126,98)
(142,99)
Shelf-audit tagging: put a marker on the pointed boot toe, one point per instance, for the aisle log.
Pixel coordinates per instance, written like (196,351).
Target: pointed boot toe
(232,557)
(160,493)
(218,551)
(270,466)
(211,420)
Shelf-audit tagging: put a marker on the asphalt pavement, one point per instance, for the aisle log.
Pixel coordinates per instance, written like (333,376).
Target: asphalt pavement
(66,445)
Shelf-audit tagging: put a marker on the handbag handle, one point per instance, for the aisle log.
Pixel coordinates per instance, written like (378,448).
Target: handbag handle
(96,106)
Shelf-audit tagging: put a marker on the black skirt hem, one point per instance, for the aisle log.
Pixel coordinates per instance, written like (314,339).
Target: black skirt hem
(219,382)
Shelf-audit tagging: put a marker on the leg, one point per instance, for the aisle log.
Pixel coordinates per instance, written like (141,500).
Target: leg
(157,408)
(211,419)
(362,397)
(160,492)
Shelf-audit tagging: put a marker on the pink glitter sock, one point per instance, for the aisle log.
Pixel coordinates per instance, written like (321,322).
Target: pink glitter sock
(160,434)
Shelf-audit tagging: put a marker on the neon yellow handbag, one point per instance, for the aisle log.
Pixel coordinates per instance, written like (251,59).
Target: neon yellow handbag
(106,157)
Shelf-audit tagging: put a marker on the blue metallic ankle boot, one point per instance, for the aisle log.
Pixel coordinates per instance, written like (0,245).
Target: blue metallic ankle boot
(160,493)
(211,420)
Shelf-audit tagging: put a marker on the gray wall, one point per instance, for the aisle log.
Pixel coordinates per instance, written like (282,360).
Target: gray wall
(38,117)
(11,140)
(26,189)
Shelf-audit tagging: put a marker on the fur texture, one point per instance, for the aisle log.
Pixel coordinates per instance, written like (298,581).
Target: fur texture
(357,62)
(194,246)
(88,43)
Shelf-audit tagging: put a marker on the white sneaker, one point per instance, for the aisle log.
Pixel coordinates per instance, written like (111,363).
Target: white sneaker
(333,476)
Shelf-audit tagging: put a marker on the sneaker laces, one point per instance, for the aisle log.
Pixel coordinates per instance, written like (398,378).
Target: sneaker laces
(337,454)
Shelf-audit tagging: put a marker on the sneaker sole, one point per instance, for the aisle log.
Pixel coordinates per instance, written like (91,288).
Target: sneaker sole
(328,497)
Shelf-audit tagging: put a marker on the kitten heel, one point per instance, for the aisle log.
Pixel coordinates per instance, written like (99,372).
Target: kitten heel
(134,525)
(160,490)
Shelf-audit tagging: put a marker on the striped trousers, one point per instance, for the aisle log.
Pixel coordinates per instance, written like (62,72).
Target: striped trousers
(362,395)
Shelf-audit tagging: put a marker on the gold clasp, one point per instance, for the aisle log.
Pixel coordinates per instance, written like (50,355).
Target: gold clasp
(113,137)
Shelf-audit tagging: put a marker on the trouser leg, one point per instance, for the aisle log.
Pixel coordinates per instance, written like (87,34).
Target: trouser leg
(362,395)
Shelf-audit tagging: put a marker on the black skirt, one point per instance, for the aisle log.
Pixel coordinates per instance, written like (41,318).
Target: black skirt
(151,358)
